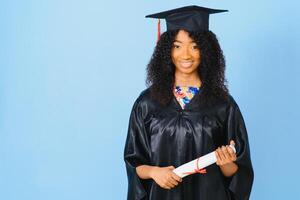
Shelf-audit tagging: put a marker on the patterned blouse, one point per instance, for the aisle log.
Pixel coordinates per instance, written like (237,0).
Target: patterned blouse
(184,94)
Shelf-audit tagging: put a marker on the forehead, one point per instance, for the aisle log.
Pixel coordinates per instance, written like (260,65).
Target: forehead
(183,36)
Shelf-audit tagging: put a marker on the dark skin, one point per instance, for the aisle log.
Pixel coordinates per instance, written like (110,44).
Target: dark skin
(186,58)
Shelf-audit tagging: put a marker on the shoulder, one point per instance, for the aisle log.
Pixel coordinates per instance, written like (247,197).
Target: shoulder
(144,103)
(226,105)
(227,109)
(143,98)
(231,101)
(224,102)
(232,106)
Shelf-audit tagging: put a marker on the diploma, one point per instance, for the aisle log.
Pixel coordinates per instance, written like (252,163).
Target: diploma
(197,165)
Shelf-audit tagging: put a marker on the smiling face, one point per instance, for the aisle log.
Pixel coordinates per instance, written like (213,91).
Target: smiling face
(185,54)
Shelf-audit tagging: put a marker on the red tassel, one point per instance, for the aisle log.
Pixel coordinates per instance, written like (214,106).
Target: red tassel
(158,30)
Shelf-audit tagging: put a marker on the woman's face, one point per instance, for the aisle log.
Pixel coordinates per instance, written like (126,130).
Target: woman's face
(185,53)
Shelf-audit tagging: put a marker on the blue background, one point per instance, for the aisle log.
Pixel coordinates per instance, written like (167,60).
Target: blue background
(71,70)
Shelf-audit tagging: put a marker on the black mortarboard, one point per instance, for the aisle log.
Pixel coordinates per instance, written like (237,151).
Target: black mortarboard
(191,18)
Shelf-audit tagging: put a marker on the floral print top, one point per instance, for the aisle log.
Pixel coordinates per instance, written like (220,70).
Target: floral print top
(184,94)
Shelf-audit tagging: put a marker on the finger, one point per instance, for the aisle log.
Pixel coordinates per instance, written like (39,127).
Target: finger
(166,187)
(177,178)
(231,151)
(163,185)
(173,182)
(169,184)
(218,157)
(234,157)
(221,154)
(226,153)
(171,167)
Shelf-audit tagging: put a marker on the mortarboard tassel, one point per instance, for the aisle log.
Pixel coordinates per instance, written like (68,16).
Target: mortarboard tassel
(158,30)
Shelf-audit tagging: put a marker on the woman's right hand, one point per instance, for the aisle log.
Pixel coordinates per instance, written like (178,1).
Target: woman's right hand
(165,177)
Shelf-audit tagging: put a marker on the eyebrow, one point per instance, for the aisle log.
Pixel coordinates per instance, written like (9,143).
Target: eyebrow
(182,42)
(177,41)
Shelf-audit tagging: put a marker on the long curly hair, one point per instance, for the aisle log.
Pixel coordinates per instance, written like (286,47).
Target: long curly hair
(211,71)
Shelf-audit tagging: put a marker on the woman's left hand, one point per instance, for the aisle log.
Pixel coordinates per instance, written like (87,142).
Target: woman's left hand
(225,155)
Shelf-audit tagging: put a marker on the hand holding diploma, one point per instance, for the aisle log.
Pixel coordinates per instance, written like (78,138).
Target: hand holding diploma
(225,154)
(224,157)
(169,177)
(225,160)
(165,177)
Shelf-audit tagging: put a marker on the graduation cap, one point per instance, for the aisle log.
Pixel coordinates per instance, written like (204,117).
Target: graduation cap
(191,18)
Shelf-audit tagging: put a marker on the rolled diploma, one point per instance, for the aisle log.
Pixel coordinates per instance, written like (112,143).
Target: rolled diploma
(204,161)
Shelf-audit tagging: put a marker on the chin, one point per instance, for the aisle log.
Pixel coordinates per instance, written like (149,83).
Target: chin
(188,70)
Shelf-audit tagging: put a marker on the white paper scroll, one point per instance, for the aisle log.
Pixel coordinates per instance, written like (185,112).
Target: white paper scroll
(199,163)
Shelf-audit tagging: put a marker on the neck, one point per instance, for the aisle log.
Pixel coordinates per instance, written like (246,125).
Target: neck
(187,79)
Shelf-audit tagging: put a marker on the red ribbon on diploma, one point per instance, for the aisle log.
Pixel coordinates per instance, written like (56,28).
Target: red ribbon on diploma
(197,170)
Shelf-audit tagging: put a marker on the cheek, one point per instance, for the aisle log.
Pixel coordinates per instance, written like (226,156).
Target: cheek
(199,60)
(197,57)
(174,56)
(173,53)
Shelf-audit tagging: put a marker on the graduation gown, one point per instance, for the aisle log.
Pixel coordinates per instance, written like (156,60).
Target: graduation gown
(164,136)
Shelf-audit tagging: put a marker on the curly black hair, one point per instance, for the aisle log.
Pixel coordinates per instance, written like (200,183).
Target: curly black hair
(161,69)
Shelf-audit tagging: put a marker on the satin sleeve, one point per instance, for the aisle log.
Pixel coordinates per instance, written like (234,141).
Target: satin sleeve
(240,184)
(136,152)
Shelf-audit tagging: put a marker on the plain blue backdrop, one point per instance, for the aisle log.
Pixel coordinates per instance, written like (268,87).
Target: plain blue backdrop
(71,70)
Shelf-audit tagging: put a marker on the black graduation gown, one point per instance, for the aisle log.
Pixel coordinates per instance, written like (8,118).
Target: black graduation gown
(167,136)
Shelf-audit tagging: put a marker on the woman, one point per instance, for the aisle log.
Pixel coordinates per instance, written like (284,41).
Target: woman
(187,112)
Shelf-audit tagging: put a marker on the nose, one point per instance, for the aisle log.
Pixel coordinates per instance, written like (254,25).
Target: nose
(186,53)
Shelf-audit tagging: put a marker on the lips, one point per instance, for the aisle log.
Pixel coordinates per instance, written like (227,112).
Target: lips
(186,64)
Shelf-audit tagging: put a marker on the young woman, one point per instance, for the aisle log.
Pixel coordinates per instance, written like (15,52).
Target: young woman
(187,112)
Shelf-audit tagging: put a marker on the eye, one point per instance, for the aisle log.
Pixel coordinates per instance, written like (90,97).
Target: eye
(195,47)
(176,46)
